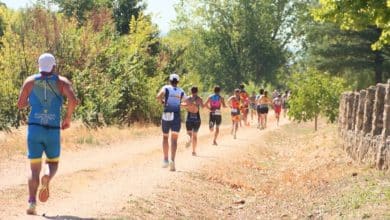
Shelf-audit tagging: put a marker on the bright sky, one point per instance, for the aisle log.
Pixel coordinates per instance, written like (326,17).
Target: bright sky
(162,10)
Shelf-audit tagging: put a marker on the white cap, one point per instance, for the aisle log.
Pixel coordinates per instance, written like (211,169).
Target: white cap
(173,76)
(46,62)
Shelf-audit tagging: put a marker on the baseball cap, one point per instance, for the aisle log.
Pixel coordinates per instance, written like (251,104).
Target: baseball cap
(173,77)
(46,62)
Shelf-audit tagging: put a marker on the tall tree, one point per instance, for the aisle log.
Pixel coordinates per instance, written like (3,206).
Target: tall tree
(358,15)
(123,10)
(241,40)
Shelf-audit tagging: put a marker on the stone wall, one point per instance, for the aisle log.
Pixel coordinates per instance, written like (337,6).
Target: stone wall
(364,125)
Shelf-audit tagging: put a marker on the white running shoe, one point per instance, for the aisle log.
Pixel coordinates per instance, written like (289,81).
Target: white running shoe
(31,208)
(172,166)
(165,164)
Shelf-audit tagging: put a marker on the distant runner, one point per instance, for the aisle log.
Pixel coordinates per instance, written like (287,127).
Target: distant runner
(234,104)
(244,105)
(285,99)
(214,103)
(170,96)
(44,93)
(261,93)
(252,104)
(193,103)
(263,102)
(277,103)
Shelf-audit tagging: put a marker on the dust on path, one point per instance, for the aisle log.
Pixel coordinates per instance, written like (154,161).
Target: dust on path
(99,181)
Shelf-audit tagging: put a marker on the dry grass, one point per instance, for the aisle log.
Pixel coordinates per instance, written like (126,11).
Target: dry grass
(294,173)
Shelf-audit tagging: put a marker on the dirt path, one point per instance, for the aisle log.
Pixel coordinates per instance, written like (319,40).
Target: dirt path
(286,172)
(99,181)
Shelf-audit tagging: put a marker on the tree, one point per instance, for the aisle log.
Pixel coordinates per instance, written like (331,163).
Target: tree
(314,94)
(358,15)
(123,10)
(347,53)
(234,41)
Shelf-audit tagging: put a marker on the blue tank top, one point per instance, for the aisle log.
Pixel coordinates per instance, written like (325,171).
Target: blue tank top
(173,97)
(46,101)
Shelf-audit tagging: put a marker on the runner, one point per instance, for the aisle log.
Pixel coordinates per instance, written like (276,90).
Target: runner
(262,104)
(277,103)
(170,96)
(285,98)
(234,104)
(244,105)
(193,104)
(252,104)
(214,103)
(261,93)
(44,93)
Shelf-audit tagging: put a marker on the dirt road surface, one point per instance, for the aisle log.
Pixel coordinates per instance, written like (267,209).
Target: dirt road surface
(126,180)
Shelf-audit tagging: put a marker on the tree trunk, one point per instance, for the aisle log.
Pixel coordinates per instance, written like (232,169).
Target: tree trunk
(315,123)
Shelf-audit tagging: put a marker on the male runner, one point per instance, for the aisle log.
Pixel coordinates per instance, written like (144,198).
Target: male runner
(244,105)
(193,103)
(214,103)
(234,104)
(252,104)
(44,93)
(170,96)
(277,103)
(263,102)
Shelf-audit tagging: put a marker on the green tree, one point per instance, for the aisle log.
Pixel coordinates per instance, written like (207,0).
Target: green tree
(358,15)
(123,10)
(314,94)
(347,53)
(234,41)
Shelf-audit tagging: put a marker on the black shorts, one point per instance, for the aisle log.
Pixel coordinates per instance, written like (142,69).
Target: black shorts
(262,110)
(215,120)
(193,126)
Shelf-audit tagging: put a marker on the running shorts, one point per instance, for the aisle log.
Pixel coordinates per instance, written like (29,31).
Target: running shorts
(193,126)
(173,124)
(262,109)
(278,109)
(215,120)
(41,140)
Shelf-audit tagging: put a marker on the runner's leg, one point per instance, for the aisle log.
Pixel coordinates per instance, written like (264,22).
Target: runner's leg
(174,137)
(33,180)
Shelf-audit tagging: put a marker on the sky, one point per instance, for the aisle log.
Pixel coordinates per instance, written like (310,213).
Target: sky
(162,10)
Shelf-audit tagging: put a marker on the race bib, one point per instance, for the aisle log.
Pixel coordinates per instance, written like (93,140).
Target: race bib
(168,116)
(217,112)
(234,110)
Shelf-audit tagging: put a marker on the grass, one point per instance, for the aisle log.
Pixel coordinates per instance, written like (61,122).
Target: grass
(292,173)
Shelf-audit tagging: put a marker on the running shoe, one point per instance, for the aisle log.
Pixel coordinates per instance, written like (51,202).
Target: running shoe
(215,143)
(194,154)
(32,208)
(44,191)
(188,143)
(172,166)
(165,164)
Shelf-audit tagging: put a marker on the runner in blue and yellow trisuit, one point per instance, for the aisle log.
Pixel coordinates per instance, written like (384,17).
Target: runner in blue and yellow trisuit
(44,92)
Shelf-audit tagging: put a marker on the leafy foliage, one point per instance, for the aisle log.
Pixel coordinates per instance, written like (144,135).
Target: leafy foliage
(358,15)
(314,94)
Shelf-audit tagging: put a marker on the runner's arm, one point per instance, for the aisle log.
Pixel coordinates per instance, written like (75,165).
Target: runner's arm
(160,96)
(68,92)
(223,102)
(25,92)
(207,103)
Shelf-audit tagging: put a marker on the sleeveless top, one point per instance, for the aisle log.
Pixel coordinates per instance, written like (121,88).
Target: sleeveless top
(46,102)
(215,102)
(193,117)
(173,97)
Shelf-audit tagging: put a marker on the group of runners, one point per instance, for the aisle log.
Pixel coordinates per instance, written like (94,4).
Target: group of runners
(44,93)
(172,97)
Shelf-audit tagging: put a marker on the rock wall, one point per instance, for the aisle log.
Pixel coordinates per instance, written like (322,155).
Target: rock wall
(364,125)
